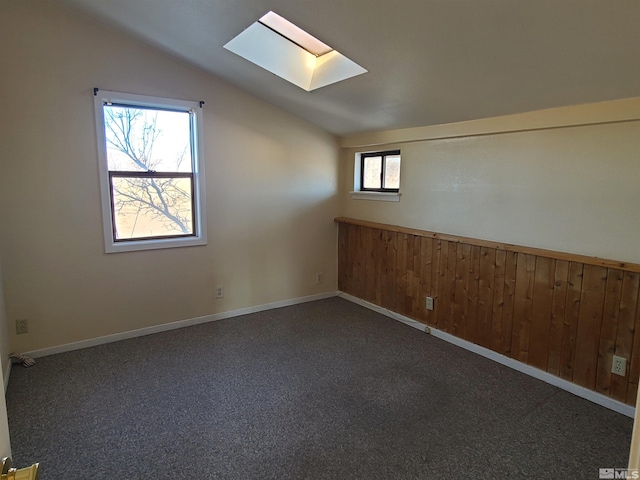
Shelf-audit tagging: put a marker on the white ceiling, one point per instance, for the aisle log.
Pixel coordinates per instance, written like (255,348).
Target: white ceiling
(429,61)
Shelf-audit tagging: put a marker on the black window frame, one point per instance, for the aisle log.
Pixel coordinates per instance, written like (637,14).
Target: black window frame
(383,155)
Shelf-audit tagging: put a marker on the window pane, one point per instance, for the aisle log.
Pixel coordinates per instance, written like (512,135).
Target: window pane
(392,171)
(141,139)
(372,170)
(152,207)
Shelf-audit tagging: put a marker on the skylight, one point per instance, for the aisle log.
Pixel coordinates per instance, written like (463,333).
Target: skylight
(286,50)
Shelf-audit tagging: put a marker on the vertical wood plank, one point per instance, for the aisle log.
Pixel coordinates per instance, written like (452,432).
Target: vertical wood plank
(608,331)
(464,267)
(369,265)
(485,296)
(443,297)
(383,257)
(349,275)
(408,301)
(594,283)
(498,300)
(557,316)
(509,302)
(462,290)
(389,294)
(625,334)
(427,274)
(416,294)
(360,256)
(525,276)
(342,256)
(421,292)
(634,367)
(541,312)
(413,286)
(410,256)
(570,325)
(435,281)
(401,272)
(450,291)
(472,299)
(380,260)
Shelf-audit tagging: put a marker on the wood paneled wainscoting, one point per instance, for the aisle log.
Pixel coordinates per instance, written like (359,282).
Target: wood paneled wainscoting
(562,313)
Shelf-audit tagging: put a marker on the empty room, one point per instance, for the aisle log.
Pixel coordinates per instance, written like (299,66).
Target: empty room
(341,239)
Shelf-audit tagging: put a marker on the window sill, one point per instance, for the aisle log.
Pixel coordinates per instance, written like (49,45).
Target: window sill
(138,245)
(379,196)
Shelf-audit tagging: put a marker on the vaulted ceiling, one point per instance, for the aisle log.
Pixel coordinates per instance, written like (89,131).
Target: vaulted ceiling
(429,61)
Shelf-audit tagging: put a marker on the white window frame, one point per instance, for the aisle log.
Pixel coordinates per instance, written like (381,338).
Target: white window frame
(101,97)
(359,194)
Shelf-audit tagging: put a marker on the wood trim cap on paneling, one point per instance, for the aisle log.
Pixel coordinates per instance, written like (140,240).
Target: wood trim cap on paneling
(571,257)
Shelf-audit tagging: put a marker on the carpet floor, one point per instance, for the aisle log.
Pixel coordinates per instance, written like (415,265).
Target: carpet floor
(322,390)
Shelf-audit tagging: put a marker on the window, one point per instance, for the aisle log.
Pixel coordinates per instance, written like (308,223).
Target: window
(380,171)
(151,171)
(377,176)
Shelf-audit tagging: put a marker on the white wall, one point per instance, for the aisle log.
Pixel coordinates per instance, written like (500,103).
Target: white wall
(271,189)
(572,189)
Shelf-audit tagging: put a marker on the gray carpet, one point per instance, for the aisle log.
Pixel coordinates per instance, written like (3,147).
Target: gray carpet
(326,389)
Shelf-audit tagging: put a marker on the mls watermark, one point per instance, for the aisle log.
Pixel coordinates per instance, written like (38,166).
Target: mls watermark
(613,473)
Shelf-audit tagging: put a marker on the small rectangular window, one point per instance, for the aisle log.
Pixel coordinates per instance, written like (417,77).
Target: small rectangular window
(151,171)
(380,171)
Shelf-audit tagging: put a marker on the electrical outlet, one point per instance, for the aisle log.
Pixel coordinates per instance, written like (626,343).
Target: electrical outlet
(319,277)
(220,291)
(22,326)
(429,303)
(619,366)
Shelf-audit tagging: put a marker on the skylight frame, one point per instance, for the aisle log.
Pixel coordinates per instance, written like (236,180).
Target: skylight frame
(294,34)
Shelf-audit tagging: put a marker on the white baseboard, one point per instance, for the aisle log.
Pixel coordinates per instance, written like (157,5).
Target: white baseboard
(396,316)
(582,392)
(92,342)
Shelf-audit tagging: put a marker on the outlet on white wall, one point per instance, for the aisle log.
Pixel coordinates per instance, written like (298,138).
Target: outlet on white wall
(22,326)
(220,291)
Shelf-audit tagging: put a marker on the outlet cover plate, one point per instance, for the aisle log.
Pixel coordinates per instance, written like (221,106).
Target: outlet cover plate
(429,303)
(22,326)
(619,366)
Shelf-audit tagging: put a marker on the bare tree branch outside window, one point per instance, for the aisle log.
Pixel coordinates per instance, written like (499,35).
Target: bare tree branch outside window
(150,162)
